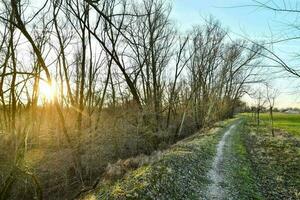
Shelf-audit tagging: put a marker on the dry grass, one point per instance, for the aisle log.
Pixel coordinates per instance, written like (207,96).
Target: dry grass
(119,137)
(121,167)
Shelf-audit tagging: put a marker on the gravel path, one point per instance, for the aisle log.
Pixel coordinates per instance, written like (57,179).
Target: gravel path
(216,189)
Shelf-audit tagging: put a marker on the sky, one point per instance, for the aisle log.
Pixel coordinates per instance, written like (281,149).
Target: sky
(243,20)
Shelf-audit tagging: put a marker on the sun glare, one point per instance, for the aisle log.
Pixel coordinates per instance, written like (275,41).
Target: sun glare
(47,91)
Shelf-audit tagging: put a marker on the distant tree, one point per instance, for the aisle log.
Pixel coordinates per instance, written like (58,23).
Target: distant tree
(260,102)
(271,95)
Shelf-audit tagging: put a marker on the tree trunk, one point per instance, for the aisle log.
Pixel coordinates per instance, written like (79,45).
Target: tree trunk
(272,121)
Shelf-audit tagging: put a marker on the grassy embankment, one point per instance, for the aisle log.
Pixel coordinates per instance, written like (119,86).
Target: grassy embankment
(256,166)
(181,172)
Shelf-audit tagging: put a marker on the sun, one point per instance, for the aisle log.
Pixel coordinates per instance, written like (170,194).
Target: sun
(47,91)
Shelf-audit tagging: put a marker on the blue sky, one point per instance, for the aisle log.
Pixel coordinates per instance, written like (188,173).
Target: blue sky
(249,22)
(189,12)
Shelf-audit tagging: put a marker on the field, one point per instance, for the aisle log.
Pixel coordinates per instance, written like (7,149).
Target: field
(287,122)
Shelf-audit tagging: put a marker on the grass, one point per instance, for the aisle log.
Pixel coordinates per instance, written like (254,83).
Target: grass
(287,122)
(239,171)
(276,160)
(256,166)
(179,174)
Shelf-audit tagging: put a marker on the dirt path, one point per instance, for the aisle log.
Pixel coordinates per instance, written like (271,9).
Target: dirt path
(231,175)
(215,189)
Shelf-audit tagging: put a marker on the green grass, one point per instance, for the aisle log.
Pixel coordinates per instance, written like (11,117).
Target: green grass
(240,175)
(288,122)
(276,160)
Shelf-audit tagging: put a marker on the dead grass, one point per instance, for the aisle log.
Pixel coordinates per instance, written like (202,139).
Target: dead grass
(119,137)
(121,167)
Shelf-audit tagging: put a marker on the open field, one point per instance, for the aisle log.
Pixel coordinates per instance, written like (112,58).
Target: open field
(287,122)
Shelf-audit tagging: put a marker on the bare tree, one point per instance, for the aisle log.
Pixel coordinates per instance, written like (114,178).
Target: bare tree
(126,77)
(150,40)
(271,95)
(279,8)
(181,62)
(116,26)
(260,102)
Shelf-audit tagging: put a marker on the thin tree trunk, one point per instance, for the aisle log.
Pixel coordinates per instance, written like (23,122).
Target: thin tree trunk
(272,121)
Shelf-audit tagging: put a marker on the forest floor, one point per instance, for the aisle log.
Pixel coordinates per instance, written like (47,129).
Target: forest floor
(234,160)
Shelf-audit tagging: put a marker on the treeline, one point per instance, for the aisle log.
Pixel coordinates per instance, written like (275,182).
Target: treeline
(121,69)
